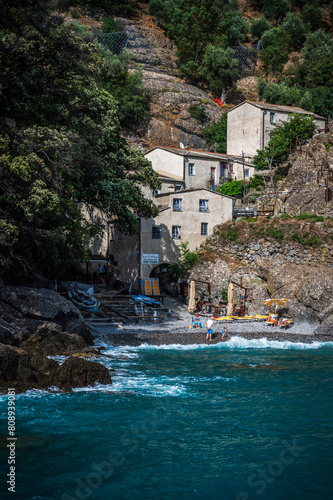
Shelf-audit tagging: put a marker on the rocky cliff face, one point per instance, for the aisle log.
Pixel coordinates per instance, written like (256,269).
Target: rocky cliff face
(269,268)
(170,121)
(308,186)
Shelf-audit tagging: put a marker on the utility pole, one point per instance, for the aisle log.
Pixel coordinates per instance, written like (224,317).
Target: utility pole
(244,192)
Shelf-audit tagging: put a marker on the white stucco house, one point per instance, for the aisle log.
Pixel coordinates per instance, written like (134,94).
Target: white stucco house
(250,124)
(196,169)
(187,215)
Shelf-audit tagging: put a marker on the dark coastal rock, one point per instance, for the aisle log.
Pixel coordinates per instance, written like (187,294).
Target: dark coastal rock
(79,372)
(43,304)
(9,334)
(23,371)
(49,340)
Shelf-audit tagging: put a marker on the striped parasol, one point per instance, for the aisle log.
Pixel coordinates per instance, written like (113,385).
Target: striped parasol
(276,303)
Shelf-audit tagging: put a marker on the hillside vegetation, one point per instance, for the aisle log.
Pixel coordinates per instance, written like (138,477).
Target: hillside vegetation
(296,39)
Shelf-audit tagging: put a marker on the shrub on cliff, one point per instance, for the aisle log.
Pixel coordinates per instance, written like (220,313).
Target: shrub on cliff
(283,139)
(216,133)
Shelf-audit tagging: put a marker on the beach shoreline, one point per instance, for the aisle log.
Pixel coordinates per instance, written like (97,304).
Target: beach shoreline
(139,336)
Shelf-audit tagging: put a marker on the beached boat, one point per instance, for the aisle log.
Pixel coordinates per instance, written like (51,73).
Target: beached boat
(82,296)
(145,300)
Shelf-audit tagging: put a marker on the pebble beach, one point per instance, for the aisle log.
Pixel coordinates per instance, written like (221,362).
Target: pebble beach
(175,330)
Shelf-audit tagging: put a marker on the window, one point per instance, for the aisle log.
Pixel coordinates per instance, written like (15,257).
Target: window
(155,192)
(203,205)
(176,232)
(272,118)
(178,188)
(177,204)
(246,172)
(156,232)
(204,228)
(191,169)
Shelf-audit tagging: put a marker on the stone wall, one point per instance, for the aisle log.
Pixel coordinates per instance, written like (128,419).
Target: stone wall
(271,248)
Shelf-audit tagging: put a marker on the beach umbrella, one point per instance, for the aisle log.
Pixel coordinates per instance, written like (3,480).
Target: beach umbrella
(276,303)
(230,306)
(191,302)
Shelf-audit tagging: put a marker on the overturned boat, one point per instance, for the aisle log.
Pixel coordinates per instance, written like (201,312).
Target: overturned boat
(81,295)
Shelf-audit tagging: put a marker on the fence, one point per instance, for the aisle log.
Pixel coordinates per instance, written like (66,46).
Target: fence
(247,58)
(115,42)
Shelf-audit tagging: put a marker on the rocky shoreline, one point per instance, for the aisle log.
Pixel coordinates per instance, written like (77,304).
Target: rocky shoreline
(36,325)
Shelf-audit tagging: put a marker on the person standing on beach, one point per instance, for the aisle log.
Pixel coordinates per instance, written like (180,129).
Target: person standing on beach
(209,326)
(224,331)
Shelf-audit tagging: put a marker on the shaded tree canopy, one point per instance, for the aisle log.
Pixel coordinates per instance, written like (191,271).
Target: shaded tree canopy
(60,140)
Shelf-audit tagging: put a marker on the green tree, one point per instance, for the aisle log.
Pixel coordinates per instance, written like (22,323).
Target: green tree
(61,144)
(216,133)
(187,260)
(276,47)
(110,25)
(193,25)
(232,188)
(312,16)
(316,69)
(222,67)
(295,28)
(234,27)
(282,93)
(283,139)
(259,26)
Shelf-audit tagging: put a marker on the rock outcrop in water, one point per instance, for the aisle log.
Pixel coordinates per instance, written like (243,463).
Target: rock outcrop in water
(23,371)
(35,324)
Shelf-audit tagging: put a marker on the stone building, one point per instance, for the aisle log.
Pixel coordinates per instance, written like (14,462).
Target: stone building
(187,215)
(250,124)
(198,168)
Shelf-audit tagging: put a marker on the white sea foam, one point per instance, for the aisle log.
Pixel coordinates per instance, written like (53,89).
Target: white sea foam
(264,343)
(234,342)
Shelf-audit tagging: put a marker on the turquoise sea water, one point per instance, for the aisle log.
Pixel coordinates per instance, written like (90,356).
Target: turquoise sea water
(239,420)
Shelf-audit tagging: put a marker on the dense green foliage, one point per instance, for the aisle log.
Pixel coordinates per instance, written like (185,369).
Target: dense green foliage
(216,133)
(204,32)
(310,81)
(283,140)
(110,25)
(222,69)
(232,188)
(60,141)
(201,30)
(276,46)
(115,7)
(259,26)
(295,28)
